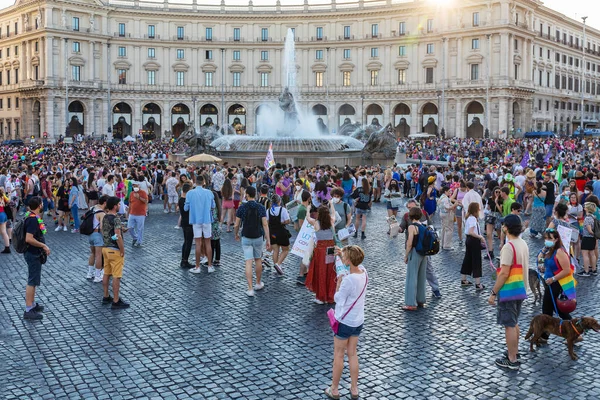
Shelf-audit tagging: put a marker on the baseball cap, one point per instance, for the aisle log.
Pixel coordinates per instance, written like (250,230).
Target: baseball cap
(512,220)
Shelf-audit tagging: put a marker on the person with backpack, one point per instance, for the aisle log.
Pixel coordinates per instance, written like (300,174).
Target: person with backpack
(31,240)
(255,229)
(113,253)
(343,210)
(278,218)
(92,222)
(416,263)
(474,243)
(362,196)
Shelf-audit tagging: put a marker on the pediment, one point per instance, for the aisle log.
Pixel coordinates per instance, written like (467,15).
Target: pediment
(475,59)
(264,68)
(180,67)
(429,62)
(401,64)
(347,66)
(151,66)
(122,64)
(237,67)
(78,60)
(374,66)
(209,67)
(319,67)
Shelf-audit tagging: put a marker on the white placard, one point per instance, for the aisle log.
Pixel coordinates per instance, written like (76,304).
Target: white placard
(292,209)
(565,236)
(301,244)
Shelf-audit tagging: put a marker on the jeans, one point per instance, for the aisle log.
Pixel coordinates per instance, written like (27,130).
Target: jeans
(136,227)
(75,214)
(188,238)
(431,278)
(414,292)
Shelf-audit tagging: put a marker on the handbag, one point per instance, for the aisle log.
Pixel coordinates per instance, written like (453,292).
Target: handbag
(334,323)
(516,290)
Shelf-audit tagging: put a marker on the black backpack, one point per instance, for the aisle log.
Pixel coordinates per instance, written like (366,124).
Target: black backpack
(36,188)
(252,227)
(87,223)
(428,243)
(159,177)
(18,237)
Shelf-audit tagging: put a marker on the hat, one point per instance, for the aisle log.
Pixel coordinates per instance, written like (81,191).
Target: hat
(512,220)
(431,179)
(508,178)
(530,174)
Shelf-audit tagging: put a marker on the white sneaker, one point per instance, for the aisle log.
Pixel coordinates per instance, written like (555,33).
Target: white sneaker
(203,260)
(89,275)
(65,228)
(318,301)
(259,286)
(99,277)
(165,211)
(211,269)
(250,293)
(177,227)
(58,228)
(196,270)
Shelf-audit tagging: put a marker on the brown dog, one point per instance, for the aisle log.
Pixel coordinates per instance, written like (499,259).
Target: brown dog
(570,330)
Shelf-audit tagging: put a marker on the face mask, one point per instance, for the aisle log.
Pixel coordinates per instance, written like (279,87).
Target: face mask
(336,200)
(548,243)
(298,187)
(136,189)
(586,191)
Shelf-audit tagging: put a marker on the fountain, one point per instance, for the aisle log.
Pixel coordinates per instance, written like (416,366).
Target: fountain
(298,138)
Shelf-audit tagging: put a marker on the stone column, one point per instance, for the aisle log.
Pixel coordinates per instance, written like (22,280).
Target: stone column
(136,118)
(510,60)
(250,118)
(91,73)
(416,70)
(459,129)
(459,60)
(91,118)
(167,70)
(43,127)
(195,62)
(277,78)
(414,124)
(504,43)
(251,72)
(49,118)
(503,115)
(25,64)
(137,64)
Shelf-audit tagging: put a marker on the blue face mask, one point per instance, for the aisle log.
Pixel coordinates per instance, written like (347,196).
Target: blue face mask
(549,243)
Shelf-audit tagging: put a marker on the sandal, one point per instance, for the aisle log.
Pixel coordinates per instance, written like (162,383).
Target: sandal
(409,308)
(354,396)
(465,283)
(331,395)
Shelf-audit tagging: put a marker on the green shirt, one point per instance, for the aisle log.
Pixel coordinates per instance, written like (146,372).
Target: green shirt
(301,212)
(506,206)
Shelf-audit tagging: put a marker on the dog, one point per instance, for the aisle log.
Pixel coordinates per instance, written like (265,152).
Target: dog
(570,330)
(534,285)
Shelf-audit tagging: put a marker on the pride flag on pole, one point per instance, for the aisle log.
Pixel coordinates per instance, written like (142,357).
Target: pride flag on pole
(559,173)
(270,159)
(525,160)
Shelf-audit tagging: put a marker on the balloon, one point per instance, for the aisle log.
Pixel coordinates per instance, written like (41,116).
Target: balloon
(23,158)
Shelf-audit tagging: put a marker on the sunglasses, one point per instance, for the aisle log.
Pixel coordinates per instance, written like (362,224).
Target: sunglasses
(550,230)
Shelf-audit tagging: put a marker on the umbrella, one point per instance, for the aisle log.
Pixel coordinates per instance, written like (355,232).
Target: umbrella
(203,158)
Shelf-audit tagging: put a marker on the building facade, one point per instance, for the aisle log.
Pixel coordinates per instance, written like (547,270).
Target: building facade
(115,68)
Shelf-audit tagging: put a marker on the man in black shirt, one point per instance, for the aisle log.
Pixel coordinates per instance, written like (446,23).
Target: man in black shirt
(35,256)
(188,232)
(550,196)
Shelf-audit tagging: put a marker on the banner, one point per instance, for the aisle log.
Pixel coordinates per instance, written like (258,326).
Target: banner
(292,209)
(270,159)
(301,244)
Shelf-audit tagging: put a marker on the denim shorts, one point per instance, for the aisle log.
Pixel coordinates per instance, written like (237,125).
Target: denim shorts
(360,211)
(507,313)
(34,267)
(252,248)
(3,217)
(549,209)
(96,239)
(345,332)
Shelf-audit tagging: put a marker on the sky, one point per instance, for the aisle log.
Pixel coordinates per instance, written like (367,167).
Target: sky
(572,8)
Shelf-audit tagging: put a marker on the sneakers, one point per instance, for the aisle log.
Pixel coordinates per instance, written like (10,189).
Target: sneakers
(583,273)
(436,294)
(203,260)
(119,305)
(74,230)
(519,359)
(6,250)
(266,263)
(186,264)
(250,293)
(278,269)
(594,273)
(32,315)
(211,269)
(38,308)
(259,286)
(90,275)
(301,280)
(355,234)
(165,211)
(65,228)
(107,300)
(133,243)
(317,301)
(195,270)
(177,227)
(99,276)
(58,228)
(506,363)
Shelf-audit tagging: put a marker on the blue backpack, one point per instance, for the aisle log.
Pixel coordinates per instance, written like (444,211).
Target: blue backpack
(427,242)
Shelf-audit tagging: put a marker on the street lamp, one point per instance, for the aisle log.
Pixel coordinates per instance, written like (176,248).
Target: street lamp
(327,88)
(222,88)
(581,126)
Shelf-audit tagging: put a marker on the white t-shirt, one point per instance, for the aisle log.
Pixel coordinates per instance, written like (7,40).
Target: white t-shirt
(108,189)
(275,212)
(520,180)
(351,287)
(471,222)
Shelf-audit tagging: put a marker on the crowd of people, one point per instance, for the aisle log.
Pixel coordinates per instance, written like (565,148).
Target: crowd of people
(484,196)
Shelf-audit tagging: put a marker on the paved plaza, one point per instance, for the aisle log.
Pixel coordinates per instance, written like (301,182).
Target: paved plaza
(201,337)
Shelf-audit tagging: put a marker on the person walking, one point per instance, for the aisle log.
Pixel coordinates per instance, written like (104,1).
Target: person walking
(471,264)
(416,263)
(4,206)
(113,254)
(255,229)
(200,202)
(446,205)
(278,218)
(588,240)
(188,232)
(509,290)
(96,242)
(35,256)
(74,204)
(351,292)
(138,207)
(362,197)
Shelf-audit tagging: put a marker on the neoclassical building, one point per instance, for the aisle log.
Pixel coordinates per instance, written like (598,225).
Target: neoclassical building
(119,67)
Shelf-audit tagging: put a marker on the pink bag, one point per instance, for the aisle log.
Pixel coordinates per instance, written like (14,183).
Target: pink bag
(334,323)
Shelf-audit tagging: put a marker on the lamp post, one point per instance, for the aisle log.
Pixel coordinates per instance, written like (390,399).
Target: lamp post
(327,88)
(222,88)
(66,85)
(581,126)
(487,85)
(109,130)
(443,105)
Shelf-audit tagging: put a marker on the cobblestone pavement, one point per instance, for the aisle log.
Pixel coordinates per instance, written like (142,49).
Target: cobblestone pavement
(200,336)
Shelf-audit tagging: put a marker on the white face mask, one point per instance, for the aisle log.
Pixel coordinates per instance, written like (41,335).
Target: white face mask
(336,200)
(136,189)
(586,191)
(298,187)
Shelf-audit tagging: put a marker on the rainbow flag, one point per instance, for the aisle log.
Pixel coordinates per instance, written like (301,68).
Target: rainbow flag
(507,155)
(568,283)
(514,286)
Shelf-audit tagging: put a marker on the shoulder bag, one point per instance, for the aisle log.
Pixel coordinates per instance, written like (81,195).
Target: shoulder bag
(334,323)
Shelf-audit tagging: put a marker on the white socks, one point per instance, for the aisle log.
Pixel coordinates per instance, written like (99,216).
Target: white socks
(91,269)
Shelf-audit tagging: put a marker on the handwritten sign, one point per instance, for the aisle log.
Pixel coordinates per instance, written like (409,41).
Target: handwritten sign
(301,245)
(565,235)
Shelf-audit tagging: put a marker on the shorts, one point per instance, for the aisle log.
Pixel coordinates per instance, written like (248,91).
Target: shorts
(507,313)
(34,268)
(202,231)
(549,209)
(48,204)
(96,239)
(227,204)
(360,211)
(588,243)
(389,206)
(252,248)
(113,262)
(458,212)
(3,217)
(236,204)
(345,332)
(173,199)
